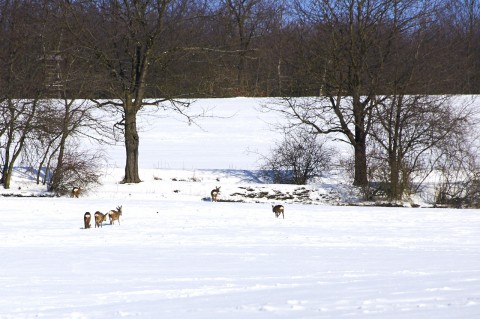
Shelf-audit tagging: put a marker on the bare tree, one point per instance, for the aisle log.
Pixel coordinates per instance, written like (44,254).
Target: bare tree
(36,66)
(355,52)
(73,119)
(19,119)
(412,131)
(69,118)
(126,39)
(458,182)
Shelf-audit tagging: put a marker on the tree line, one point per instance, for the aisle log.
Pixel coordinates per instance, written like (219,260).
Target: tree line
(371,66)
(227,48)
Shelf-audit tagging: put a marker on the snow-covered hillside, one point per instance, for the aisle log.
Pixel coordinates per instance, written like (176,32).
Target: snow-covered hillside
(229,135)
(176,254)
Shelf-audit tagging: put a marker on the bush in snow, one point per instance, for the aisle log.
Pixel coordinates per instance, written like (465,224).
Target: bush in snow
(299,157)
(78,169)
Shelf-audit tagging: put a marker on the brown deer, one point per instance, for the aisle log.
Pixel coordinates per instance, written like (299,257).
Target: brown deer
(76,192)
(278,210)
(115,215)
(99,219)
(215,193)
(86,219)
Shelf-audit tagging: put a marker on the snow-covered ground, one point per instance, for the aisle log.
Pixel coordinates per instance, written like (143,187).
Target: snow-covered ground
(178,255)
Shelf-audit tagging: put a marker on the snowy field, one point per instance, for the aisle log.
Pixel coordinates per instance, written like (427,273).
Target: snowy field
(178,255)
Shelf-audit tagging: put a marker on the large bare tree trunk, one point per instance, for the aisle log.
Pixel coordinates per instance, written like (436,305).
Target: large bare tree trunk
(360,149)
(132,143)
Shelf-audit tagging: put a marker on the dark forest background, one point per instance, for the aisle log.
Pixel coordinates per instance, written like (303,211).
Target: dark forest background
(229,48)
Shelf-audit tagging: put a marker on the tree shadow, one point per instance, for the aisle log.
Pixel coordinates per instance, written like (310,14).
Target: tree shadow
(246,176)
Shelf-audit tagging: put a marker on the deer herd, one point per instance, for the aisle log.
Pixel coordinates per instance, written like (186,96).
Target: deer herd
(115,214)
(100,218)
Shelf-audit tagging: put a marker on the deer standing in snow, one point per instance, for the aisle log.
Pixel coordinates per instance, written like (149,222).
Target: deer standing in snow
(278,210)
(99,219)
(86,219)
(215,193)
(115,215)
(76,192)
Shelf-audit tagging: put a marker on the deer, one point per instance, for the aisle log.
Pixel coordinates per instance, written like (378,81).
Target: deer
(215,193)
(86,219)
(278,210)
(115,215)
(76,191)
(99,219)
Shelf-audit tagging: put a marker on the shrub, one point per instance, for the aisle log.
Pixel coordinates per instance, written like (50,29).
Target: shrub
(78,169)
(299,157)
